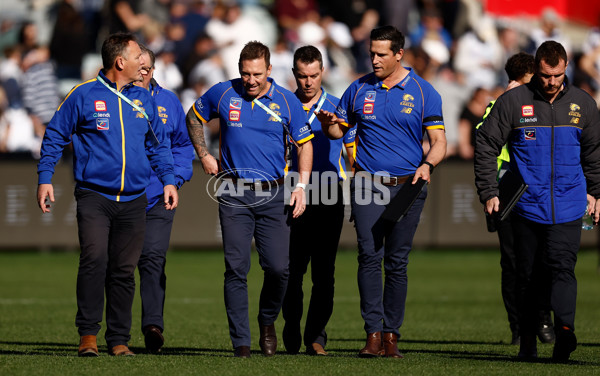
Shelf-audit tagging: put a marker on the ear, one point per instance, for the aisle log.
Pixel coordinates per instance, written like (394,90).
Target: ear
(399,55)
(120,63)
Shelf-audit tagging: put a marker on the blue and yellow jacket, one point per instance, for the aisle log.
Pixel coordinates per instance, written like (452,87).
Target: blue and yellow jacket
(172,118)
(554,147)
(114,146)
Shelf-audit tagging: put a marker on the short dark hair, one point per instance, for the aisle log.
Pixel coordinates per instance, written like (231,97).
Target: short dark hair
(255,50)
(389,33)
(551,52)
(114,46)
(150,53)
(308,54)
(518,65)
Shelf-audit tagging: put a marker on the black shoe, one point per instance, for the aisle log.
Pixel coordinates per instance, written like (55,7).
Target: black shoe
(516,338)
(528,349)
(242,352)
(292,339)
(546,329)
(566,343)
(153,338)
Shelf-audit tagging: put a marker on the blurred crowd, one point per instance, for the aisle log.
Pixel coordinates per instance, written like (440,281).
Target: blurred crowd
(49,46)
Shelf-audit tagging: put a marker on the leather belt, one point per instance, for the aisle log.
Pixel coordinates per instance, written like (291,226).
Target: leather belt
(253,185)
(390,181)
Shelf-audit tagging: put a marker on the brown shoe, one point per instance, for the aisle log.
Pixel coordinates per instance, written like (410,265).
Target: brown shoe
(87,346)
(390,345)
(316,349)
(242,352)
(121,350)
(153,338)
(268,339)
(374,346)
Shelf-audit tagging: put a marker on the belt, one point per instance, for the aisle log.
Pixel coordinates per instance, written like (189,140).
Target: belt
(390,181)
(264,184)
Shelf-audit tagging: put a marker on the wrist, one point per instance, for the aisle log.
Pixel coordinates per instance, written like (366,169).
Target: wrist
(301,186)
(431,166)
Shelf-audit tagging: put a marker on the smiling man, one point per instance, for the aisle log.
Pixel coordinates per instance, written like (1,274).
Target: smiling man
(117,138)
(553,135)
(257,119)
(391,109)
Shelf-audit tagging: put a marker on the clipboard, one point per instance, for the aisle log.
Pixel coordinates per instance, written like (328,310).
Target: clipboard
(403,200)
(511,187)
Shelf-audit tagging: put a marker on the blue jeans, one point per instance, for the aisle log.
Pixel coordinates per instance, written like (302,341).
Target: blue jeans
(382,307)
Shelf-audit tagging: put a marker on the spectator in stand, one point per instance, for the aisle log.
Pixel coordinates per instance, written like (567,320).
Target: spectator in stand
(231,30)
(69,42)
(478,56)
(470,116)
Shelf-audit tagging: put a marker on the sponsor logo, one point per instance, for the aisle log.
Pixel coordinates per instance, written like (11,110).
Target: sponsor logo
(235,103)
(101,115)
(368,117)
(102,124)
(234,115)
(574,107)
(100,105)
(234,124)
(530,134)
(199,103)
(527,120)
(527,110)
(304,129)
(370,96)
(341,111)
(368,108)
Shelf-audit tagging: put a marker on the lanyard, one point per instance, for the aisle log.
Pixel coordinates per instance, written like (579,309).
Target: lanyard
(321,101)
(122,96)
(277,117)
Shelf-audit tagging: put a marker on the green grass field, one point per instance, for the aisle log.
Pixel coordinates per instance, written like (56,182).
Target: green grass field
(455,322)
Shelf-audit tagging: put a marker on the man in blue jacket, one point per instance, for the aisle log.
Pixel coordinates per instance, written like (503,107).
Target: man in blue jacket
(117,138)
(553,135)
(159,220)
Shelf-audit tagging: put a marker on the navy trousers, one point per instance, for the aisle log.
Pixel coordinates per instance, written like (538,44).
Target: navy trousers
(153,280)
(315,236)
(111,235)
(382,307)
(546,258)
(243,216)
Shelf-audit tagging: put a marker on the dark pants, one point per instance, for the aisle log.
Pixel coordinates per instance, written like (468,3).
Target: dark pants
(153,280)
(314,238)
(268,221)
(509,287)
(380,240)
(546,257)
(111,235)
(508,264)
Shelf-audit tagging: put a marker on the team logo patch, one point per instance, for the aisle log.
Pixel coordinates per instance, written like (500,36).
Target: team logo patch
(368,108)
(100,105)
(574,107)
(234,115)
(529,134)
(102,124)
(408,97)
(527,110)
(235,103)
(370,96)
